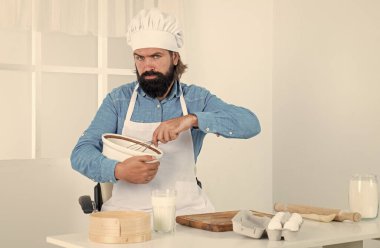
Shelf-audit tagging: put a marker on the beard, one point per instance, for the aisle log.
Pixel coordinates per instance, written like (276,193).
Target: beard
(156,87)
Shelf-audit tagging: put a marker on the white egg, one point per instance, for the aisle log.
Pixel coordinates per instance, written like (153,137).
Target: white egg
(292,226)
(274,225)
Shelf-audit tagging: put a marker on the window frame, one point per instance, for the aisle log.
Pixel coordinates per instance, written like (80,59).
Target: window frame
(36,68)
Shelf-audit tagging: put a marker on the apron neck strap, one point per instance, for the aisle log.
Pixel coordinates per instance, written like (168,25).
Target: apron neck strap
(183,103)
(132,102)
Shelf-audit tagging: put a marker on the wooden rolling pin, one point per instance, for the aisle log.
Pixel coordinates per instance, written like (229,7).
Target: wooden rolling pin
(302,209)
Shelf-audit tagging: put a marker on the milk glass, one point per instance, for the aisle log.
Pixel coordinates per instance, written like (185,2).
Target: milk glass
(364,195)
(163,203)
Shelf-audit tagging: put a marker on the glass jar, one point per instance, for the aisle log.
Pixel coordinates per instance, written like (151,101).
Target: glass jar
(363,195)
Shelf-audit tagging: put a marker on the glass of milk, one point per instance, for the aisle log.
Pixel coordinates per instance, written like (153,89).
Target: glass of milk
(163,203)
(363,195)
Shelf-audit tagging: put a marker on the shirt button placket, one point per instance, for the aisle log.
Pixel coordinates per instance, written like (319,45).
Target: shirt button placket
(159,110)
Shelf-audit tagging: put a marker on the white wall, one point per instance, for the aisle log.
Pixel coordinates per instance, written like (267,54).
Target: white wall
(229,51)
(40,198)
(326,104)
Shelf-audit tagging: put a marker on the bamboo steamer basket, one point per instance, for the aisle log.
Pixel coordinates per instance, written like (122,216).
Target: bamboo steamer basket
(120,227)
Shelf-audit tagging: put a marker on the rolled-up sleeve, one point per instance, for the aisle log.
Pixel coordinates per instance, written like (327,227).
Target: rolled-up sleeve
(225,119)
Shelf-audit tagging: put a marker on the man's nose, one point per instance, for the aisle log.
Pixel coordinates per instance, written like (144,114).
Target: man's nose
(149,64)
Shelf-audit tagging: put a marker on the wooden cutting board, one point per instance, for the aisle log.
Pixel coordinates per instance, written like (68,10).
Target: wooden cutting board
(214,222)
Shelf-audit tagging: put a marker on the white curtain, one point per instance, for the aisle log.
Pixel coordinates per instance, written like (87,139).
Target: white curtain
(75,17)
(78,17)
(16,14)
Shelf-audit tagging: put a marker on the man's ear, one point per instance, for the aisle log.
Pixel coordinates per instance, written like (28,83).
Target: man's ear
(175,58)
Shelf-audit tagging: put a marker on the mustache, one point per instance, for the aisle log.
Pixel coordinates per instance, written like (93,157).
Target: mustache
(151,73)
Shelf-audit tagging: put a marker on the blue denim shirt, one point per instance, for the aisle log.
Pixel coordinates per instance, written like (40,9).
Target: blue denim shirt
(214,116)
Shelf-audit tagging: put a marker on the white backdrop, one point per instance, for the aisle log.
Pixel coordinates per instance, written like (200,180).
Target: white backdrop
(326,104)
(229,51)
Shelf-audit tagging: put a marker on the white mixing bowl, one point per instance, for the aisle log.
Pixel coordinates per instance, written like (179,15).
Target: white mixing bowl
(119,147)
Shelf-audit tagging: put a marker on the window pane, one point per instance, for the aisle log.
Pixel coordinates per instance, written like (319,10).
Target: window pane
(69,103)
(118,80)
(69,50)
(16,117)
(14,47)
(120,54)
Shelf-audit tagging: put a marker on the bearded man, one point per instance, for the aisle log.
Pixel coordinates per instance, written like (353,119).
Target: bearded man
(158,107)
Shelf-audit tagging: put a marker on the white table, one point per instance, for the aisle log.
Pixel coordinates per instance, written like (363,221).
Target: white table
(312,234)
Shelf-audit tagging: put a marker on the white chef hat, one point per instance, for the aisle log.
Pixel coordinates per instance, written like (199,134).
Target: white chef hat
(153,28)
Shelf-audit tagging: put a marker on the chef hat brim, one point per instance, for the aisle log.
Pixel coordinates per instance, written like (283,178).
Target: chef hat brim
(153,39)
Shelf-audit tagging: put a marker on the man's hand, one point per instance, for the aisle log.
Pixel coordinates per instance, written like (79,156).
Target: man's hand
(137,169)
(170,129)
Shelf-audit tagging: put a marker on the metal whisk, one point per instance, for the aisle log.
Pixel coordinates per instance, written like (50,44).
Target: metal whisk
(140,146)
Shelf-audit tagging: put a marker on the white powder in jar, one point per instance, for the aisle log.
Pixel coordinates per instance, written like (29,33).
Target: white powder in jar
(364,197)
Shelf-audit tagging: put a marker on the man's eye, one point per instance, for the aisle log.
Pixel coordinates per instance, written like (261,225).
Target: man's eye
(139,58)
(156,56)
